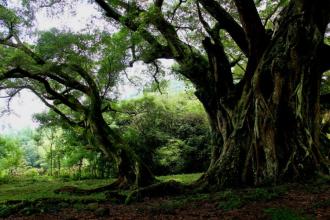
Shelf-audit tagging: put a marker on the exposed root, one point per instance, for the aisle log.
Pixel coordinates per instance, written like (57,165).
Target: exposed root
(120,183)
(169,188)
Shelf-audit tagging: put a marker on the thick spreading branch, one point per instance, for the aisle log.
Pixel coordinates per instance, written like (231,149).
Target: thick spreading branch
(59,76)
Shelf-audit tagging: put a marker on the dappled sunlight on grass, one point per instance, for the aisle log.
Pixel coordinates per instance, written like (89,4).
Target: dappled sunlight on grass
(183,178)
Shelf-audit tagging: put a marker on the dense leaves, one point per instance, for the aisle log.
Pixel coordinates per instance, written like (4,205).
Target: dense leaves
(170,132)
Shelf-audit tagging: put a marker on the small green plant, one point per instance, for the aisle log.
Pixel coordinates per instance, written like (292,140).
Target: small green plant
(283,214)
(230,201)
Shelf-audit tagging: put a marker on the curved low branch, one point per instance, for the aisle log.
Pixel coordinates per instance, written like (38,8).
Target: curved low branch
(67,100)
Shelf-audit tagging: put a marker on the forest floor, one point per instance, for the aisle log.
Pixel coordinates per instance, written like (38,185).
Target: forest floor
(285,202)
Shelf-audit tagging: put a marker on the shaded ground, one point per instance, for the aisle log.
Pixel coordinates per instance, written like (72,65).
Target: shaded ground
(294,201)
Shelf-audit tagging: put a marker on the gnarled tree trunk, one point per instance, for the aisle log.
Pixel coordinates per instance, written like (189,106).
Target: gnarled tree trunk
(271,129)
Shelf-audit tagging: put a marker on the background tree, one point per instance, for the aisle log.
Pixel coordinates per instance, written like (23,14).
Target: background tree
(11,156)
(71,75)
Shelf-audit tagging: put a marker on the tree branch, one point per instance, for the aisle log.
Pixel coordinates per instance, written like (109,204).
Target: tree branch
(160,51)
(24,48)
(220,67)
(67,100)
(176,8)
(227,22)
(6,39)
(154,76)
(159,3)
(253,27)
(19,88)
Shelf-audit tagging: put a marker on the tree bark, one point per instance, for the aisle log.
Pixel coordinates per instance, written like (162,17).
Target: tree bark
(271,132)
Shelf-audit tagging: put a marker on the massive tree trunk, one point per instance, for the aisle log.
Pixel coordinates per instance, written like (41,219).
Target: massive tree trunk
(270,129)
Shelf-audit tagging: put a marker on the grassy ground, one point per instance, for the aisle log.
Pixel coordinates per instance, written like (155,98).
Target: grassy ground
(35,199)
(43,187)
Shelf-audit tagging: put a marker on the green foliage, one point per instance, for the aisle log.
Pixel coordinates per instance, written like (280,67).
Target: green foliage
(5,211)
(66,152)
(169,132)
(11,156)
(170,155)
(8,17)
(31,173)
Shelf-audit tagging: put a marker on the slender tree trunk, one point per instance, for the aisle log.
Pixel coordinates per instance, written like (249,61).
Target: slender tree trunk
(59,165)
(79,167)
(271,132)
(51,158)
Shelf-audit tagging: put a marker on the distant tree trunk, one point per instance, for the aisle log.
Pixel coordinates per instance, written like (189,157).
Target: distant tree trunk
(79,167)
(270,132)
(59,165)
(51,158)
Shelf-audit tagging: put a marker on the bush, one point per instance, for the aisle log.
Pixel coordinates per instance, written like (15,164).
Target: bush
(31,172)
